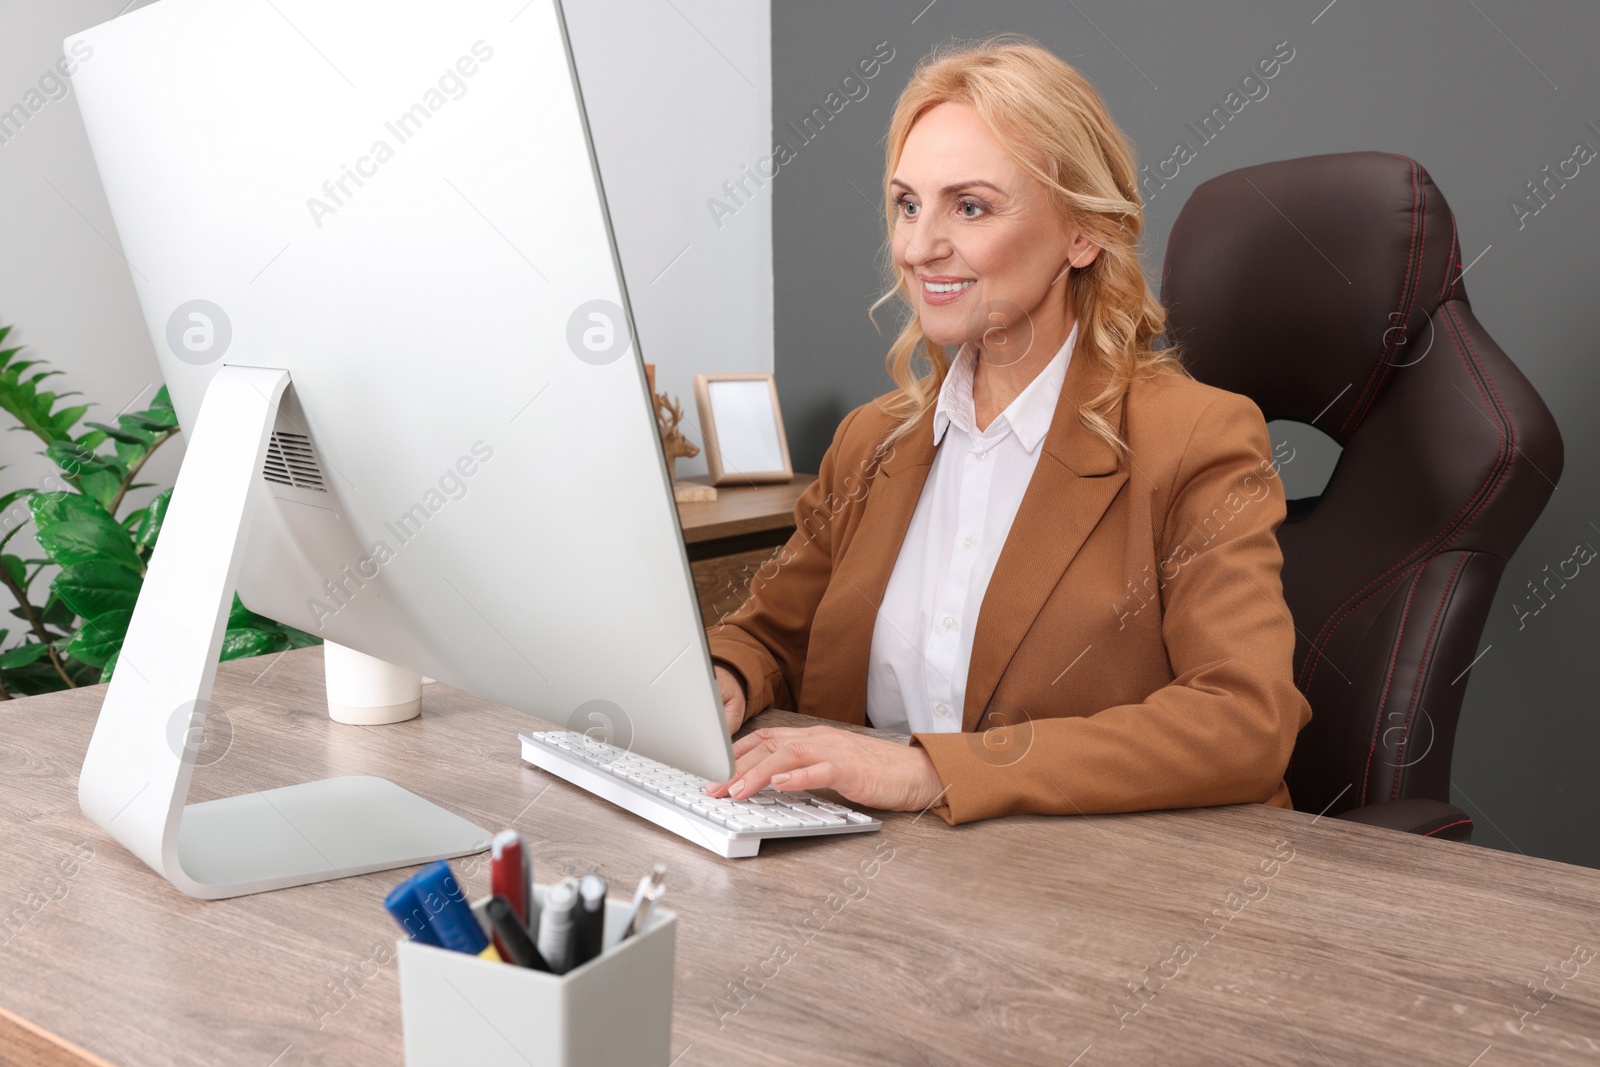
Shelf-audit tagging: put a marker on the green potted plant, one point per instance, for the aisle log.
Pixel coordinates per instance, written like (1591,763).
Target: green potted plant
(84,526)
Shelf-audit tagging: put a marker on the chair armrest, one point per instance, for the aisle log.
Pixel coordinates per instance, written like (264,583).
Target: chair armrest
(1430,818)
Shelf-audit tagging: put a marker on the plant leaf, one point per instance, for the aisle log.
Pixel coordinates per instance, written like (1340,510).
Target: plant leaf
(132,428)
(160,410)
(154,515)
(56,612)
(96,586)
(119,435)
(73,528)
(240,642)
(75,458)
(66,417)
(102,486)
(241,616)
(147,420)
(100,638)
(23,655)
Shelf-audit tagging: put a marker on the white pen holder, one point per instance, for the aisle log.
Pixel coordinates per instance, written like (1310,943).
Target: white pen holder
(615,1009)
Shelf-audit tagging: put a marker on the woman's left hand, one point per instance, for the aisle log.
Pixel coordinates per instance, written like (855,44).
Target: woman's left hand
(866,770)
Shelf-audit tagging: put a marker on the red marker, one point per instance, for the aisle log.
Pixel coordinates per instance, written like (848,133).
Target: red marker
(510,871)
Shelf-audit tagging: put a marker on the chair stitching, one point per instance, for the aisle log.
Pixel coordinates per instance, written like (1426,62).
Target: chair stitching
(1368,388)
(1332,623)
(1410,285)
(1507,428)
(1422,672)
(1388,678)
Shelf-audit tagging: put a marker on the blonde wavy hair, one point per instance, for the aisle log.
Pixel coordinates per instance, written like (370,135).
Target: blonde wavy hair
(1050,119)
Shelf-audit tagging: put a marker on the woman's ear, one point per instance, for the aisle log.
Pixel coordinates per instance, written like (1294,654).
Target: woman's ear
(1082,252)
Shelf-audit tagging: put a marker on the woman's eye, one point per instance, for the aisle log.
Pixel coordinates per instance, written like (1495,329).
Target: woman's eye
(976,209)
(907,208)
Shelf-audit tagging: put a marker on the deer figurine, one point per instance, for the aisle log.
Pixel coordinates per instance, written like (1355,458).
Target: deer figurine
(669,413)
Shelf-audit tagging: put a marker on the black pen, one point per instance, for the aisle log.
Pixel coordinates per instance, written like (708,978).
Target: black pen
(591,918)
(513,935)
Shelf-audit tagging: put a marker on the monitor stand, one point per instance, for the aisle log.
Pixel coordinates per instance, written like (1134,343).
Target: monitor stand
(137,771)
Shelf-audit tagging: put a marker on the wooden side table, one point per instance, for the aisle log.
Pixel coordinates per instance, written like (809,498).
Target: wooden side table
(729,538)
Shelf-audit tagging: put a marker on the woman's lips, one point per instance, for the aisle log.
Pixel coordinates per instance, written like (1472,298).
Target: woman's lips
(950,297)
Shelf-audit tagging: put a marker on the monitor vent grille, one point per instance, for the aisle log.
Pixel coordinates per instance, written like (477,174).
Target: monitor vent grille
(290,461)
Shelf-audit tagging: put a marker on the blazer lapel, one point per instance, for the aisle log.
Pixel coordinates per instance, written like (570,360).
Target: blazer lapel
(1075,481)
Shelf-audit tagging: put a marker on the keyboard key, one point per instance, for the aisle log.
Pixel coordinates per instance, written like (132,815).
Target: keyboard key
(805,817)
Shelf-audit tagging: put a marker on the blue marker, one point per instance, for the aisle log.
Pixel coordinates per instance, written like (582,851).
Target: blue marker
(405,905)
(449,912)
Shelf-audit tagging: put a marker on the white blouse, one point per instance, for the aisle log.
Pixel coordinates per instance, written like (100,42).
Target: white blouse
(922,638)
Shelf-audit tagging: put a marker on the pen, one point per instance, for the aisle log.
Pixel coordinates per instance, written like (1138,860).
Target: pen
(591,922)
(643,900)
(512,936)
(555,925)
(406,907)
(508,871)
(452,917)
(508,876)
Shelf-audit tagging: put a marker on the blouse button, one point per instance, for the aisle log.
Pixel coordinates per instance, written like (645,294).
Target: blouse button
(941,709)
(966,542)
(947,622)
(980,455)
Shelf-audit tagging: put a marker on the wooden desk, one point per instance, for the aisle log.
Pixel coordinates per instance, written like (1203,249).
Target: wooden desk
(729,538)
(1009,941)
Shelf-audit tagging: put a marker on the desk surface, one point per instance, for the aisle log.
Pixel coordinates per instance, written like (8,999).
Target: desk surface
(742,509)
(1264,936)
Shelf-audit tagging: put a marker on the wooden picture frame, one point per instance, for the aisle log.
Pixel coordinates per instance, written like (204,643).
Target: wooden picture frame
(741,427)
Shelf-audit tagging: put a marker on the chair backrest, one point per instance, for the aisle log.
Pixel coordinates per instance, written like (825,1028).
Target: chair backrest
(1328,289)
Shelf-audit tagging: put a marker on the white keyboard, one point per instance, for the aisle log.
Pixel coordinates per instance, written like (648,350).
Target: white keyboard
(675,800)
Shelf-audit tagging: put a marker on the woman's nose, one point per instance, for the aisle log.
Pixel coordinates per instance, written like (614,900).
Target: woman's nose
(928,245)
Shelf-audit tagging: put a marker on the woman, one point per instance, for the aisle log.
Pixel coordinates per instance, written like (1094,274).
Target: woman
(1050,558)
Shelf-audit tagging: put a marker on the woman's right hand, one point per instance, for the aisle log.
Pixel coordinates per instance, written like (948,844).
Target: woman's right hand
(732,697)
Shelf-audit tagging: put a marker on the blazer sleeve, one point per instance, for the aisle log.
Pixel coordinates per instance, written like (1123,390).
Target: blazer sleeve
(1222,731)
(764,641)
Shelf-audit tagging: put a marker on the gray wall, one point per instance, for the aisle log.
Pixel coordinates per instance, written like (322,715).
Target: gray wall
(1484,96)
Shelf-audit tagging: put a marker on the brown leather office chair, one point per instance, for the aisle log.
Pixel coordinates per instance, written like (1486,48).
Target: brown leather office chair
(1328,289)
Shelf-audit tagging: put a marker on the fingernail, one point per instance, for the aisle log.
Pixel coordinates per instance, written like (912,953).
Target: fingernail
(737,787)
(779,779)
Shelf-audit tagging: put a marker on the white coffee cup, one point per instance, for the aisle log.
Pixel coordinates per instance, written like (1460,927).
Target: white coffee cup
(366,691)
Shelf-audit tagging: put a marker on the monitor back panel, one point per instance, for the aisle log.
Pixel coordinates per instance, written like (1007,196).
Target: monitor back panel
(398,203)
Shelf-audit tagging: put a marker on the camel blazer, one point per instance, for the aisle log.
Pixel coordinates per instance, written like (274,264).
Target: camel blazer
(1133,650)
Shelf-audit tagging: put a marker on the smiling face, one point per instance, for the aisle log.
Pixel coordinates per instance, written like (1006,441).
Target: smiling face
(985,257)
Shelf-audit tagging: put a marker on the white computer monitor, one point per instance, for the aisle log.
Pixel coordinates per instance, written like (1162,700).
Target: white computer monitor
(372,248)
